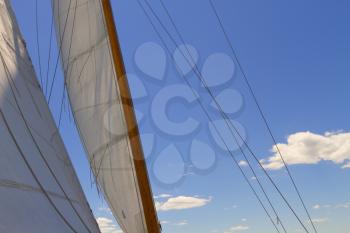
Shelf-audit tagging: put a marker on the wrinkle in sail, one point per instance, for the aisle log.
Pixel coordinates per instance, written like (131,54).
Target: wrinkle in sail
(97,109)
(38,184)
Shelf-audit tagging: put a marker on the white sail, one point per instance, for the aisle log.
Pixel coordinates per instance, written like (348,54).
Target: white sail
(93,93)
(39,190)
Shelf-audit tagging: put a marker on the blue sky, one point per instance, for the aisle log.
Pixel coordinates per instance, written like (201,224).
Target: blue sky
(296,55)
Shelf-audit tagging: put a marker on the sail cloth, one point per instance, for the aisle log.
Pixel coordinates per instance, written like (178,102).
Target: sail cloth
(93,93)
(39,190)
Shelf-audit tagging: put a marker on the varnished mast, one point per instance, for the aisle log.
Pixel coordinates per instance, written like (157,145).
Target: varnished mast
(150,214)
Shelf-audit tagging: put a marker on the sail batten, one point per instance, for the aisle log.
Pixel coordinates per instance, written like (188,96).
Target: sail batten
(102,110)
(38,184)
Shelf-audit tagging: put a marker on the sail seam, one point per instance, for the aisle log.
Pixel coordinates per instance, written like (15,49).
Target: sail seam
(8,75)
(34,175)
(27,187)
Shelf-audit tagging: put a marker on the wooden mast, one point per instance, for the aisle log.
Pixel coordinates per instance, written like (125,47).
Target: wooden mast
(150,214)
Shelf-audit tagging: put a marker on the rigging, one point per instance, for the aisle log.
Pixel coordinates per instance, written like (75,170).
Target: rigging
(37,42)
(215,127)
(261,111)
(225,117)
(49,54)
(59,52)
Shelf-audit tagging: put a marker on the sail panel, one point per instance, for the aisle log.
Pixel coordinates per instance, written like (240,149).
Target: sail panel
(96,104)
(39,189)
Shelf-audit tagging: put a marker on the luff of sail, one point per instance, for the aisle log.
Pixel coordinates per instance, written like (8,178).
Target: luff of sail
(39,190)
(89,57)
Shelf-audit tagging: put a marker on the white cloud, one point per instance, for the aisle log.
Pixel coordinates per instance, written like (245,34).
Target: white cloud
(107,225)
(162,196)
(105,209)
(344,205)
(181,203)
(333,206)
(320,220)
(178,224)
(238,228)
(231,207)
(182,223)
(164,222)
(318,206)
(243,163)
(310,148)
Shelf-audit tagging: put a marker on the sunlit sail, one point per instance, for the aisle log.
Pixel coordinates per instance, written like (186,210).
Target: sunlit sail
(39,189)
(102,107)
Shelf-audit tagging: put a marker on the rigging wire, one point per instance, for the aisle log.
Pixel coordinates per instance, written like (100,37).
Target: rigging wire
(260,111)
(67,68)
(242,151)
(61,107)
(229,123)
(37,42)
(50,45)
(215,127)
(59,52)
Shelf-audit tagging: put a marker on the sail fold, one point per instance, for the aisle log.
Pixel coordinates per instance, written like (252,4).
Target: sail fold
(39,189)
(96,104)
